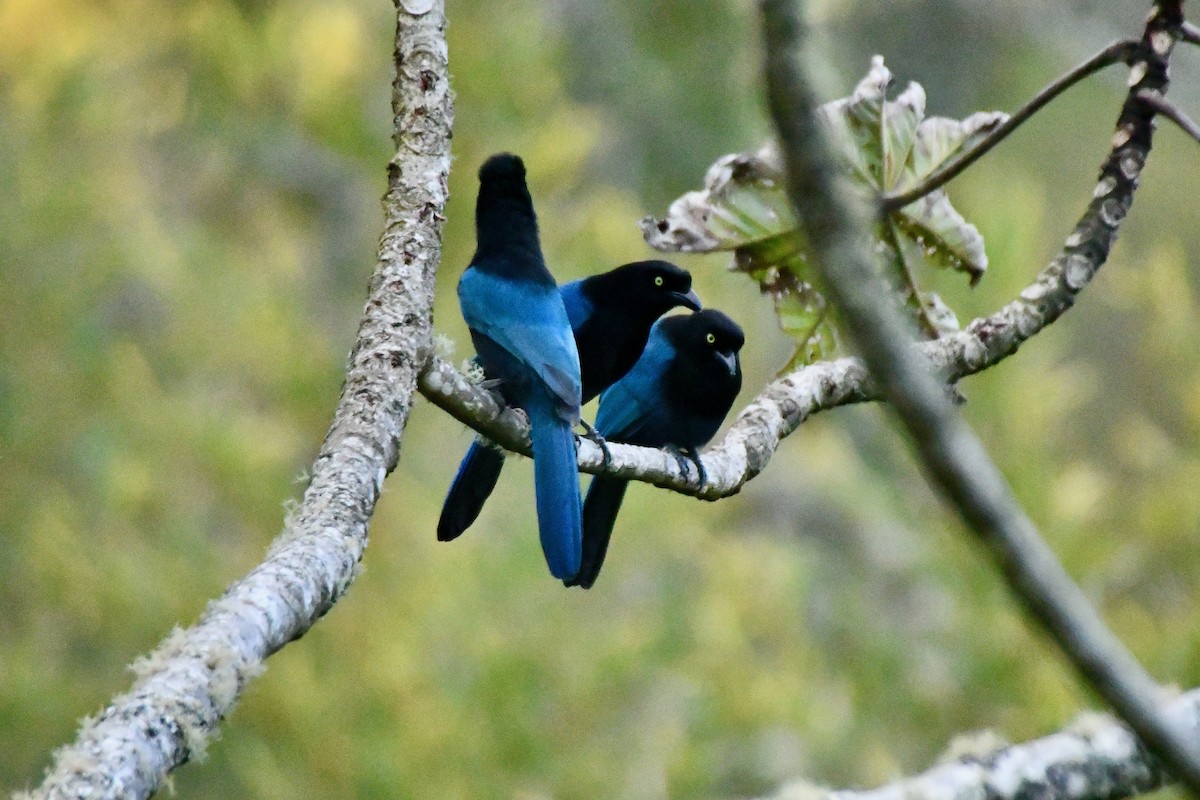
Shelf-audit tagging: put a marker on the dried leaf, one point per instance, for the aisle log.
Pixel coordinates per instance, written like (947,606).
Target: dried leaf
(887,146)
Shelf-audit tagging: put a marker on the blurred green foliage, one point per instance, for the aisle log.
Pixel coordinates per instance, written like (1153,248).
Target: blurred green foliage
(188,221)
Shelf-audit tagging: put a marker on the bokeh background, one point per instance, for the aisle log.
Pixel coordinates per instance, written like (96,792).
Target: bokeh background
(188,218)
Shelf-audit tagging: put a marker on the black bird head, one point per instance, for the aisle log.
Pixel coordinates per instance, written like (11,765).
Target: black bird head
(505,223)
(710,340)
(503,167)
(625,302)
(654,287)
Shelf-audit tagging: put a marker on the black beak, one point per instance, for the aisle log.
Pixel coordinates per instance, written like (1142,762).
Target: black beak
(691,300)
(730,360)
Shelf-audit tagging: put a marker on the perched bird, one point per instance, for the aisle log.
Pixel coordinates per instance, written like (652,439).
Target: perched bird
(676,396)
(523,339)
(610,315)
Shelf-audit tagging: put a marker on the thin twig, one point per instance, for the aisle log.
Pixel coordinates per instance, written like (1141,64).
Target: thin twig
(835,223)
(1171,111)
(1119,51)
(1189,33)
(191,682)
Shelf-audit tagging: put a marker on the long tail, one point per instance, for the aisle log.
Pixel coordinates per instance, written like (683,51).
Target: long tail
(556,483)
(472,486)
(599,513)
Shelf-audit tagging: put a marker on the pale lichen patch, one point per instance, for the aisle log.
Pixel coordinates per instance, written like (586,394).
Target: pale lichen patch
(1137,73)
(1161,42)
(170,648)
(1104,186)
(1078,271)
(1130,163)
(974,746)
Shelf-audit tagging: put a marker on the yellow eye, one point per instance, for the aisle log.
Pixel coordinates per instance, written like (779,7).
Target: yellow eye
(711,338)
(658,280)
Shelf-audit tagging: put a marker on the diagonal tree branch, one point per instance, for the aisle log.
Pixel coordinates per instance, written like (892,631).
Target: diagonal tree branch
(191,682)
(1094,758)
(1119,51)
(955,459)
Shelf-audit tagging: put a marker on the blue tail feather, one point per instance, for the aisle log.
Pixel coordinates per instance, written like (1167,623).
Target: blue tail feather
(476,478)
(556,484)
(600,509)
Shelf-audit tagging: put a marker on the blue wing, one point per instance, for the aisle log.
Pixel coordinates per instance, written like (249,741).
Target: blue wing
(635,403)
(579,308)
(530,322)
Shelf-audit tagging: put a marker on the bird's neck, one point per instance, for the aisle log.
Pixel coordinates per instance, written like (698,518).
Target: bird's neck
(506,228)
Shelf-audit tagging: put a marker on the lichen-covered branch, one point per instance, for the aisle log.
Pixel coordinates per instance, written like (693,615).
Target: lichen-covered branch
(742,453)
(1094,758)
(186,687)
(835,224)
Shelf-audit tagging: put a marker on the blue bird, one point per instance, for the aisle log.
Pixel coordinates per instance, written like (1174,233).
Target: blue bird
(676,396)
(523,339)
(610,315)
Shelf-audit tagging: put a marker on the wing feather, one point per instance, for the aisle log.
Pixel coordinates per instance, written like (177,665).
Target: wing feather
(632,406)
(530,322)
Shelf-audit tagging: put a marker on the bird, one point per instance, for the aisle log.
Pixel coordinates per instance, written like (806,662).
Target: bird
(523,340)
(676,396)
(610,315)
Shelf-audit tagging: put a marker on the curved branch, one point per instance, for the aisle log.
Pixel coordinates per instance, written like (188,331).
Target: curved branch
(1094,758)
(741,454)
(1121,50)
(193,679)
(954,457)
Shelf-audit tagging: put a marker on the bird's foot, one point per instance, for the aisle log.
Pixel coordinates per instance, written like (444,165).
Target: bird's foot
(493,386)
(593,435)
(519,413)
(681,458)
(702,474)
